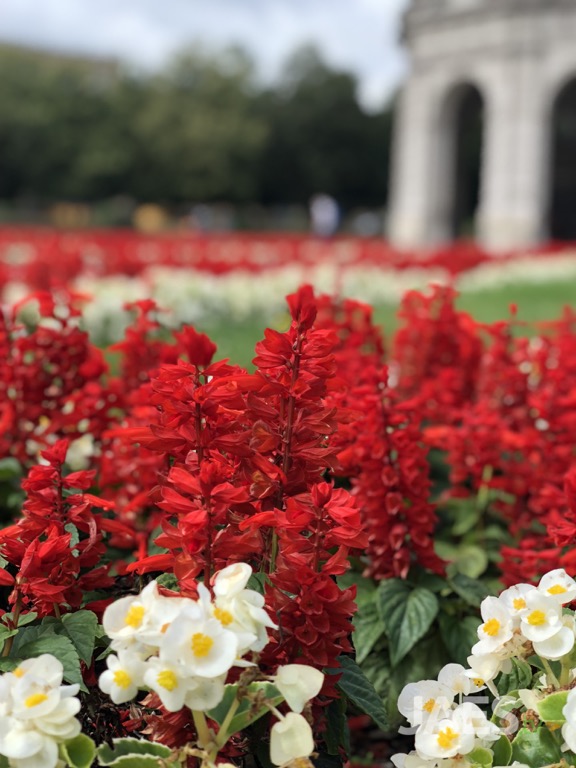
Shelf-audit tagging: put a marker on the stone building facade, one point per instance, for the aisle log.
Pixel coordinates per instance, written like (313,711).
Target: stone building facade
(519,58)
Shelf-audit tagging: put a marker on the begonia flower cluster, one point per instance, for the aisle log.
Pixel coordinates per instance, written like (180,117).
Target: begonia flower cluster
(526,624)
(37,713)
(183,650)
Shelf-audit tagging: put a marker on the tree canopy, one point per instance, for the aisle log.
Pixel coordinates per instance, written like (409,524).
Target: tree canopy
(203,129)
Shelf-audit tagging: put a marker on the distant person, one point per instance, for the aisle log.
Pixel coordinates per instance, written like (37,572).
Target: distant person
(324,215)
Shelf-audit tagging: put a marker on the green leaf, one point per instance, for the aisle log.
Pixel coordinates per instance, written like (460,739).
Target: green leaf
(132,748)
(470,561)
(519,677)
(360,691)
(407,615)
(35,640)
(245,714)
(537,747)
(257,582)
(470,590)
(458,635)
(169,580)
(502,750)
(368,629)
(337,734)
(480,757)
(9,469)
(78,752)
(137,761)
(466,518)
(550,708)
(8,664)
(81,627)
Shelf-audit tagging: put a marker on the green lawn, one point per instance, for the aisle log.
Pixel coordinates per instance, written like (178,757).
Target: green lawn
(236,340)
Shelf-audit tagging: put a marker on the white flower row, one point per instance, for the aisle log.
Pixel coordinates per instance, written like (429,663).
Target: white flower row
(37,713)
(191,296)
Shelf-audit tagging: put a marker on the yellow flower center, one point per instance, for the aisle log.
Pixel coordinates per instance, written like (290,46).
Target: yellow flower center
(492,627)
(18,672)
(446,737)
(536,618)
(519,603)
(35,699)
(224,617)
(477,681)
(167,679)
(122,679)
(134,616)
(429,706)
(557,589)
(201,644)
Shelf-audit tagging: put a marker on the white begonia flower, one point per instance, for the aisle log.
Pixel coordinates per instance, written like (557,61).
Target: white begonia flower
(26,748)
(454,677)
(244,614)
(496,628)
(411,760)
(200,643)
(205,693)
(557,646)
(160,614)
(569,727)
(420,701)
(470,715)
(45,667)
(298,683)
(514,598)
(124,618)
(290,738)
(445,738)
(558,585)
(232,580)
(484,668)
(542,617)
(167,681)
(123,677)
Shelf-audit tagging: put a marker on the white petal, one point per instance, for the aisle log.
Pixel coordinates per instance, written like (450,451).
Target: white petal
(298,683)
(290,738)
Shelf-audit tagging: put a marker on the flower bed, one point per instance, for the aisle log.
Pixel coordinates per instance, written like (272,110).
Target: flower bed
(250,562)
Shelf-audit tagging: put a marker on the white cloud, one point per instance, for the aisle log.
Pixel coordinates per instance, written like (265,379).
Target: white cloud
(360,35)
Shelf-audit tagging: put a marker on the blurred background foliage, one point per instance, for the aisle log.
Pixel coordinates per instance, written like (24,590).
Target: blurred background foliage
(202,130)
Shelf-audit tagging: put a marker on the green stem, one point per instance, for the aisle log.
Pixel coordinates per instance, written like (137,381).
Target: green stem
(17,608)
(204,736)
(223,734)
(565,674)
(550,673)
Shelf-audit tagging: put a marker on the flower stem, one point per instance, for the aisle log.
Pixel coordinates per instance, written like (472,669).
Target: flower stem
(550,673)
(223,734)
(204,736)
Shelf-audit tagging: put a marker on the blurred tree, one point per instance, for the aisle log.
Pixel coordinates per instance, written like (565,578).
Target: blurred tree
(201,130)
(321,140)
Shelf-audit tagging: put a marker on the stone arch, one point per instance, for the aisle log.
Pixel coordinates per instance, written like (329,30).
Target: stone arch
(461,132)
(562,172)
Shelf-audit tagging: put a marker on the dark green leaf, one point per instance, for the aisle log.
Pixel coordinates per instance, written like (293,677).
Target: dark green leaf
(407,615)
(458,635)
(336,735)
(81,627)
(36,640)
(519,677)
(470,590)
(368,629)
(360,691)
(245,714)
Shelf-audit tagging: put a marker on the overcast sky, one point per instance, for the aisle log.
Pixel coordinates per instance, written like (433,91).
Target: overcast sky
(359,35)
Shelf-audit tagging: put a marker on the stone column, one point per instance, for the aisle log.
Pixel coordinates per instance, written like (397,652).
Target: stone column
(413,216)
(513,197)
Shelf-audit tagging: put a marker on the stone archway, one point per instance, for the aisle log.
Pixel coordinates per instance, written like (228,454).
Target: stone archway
(463,133)
(563,164)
